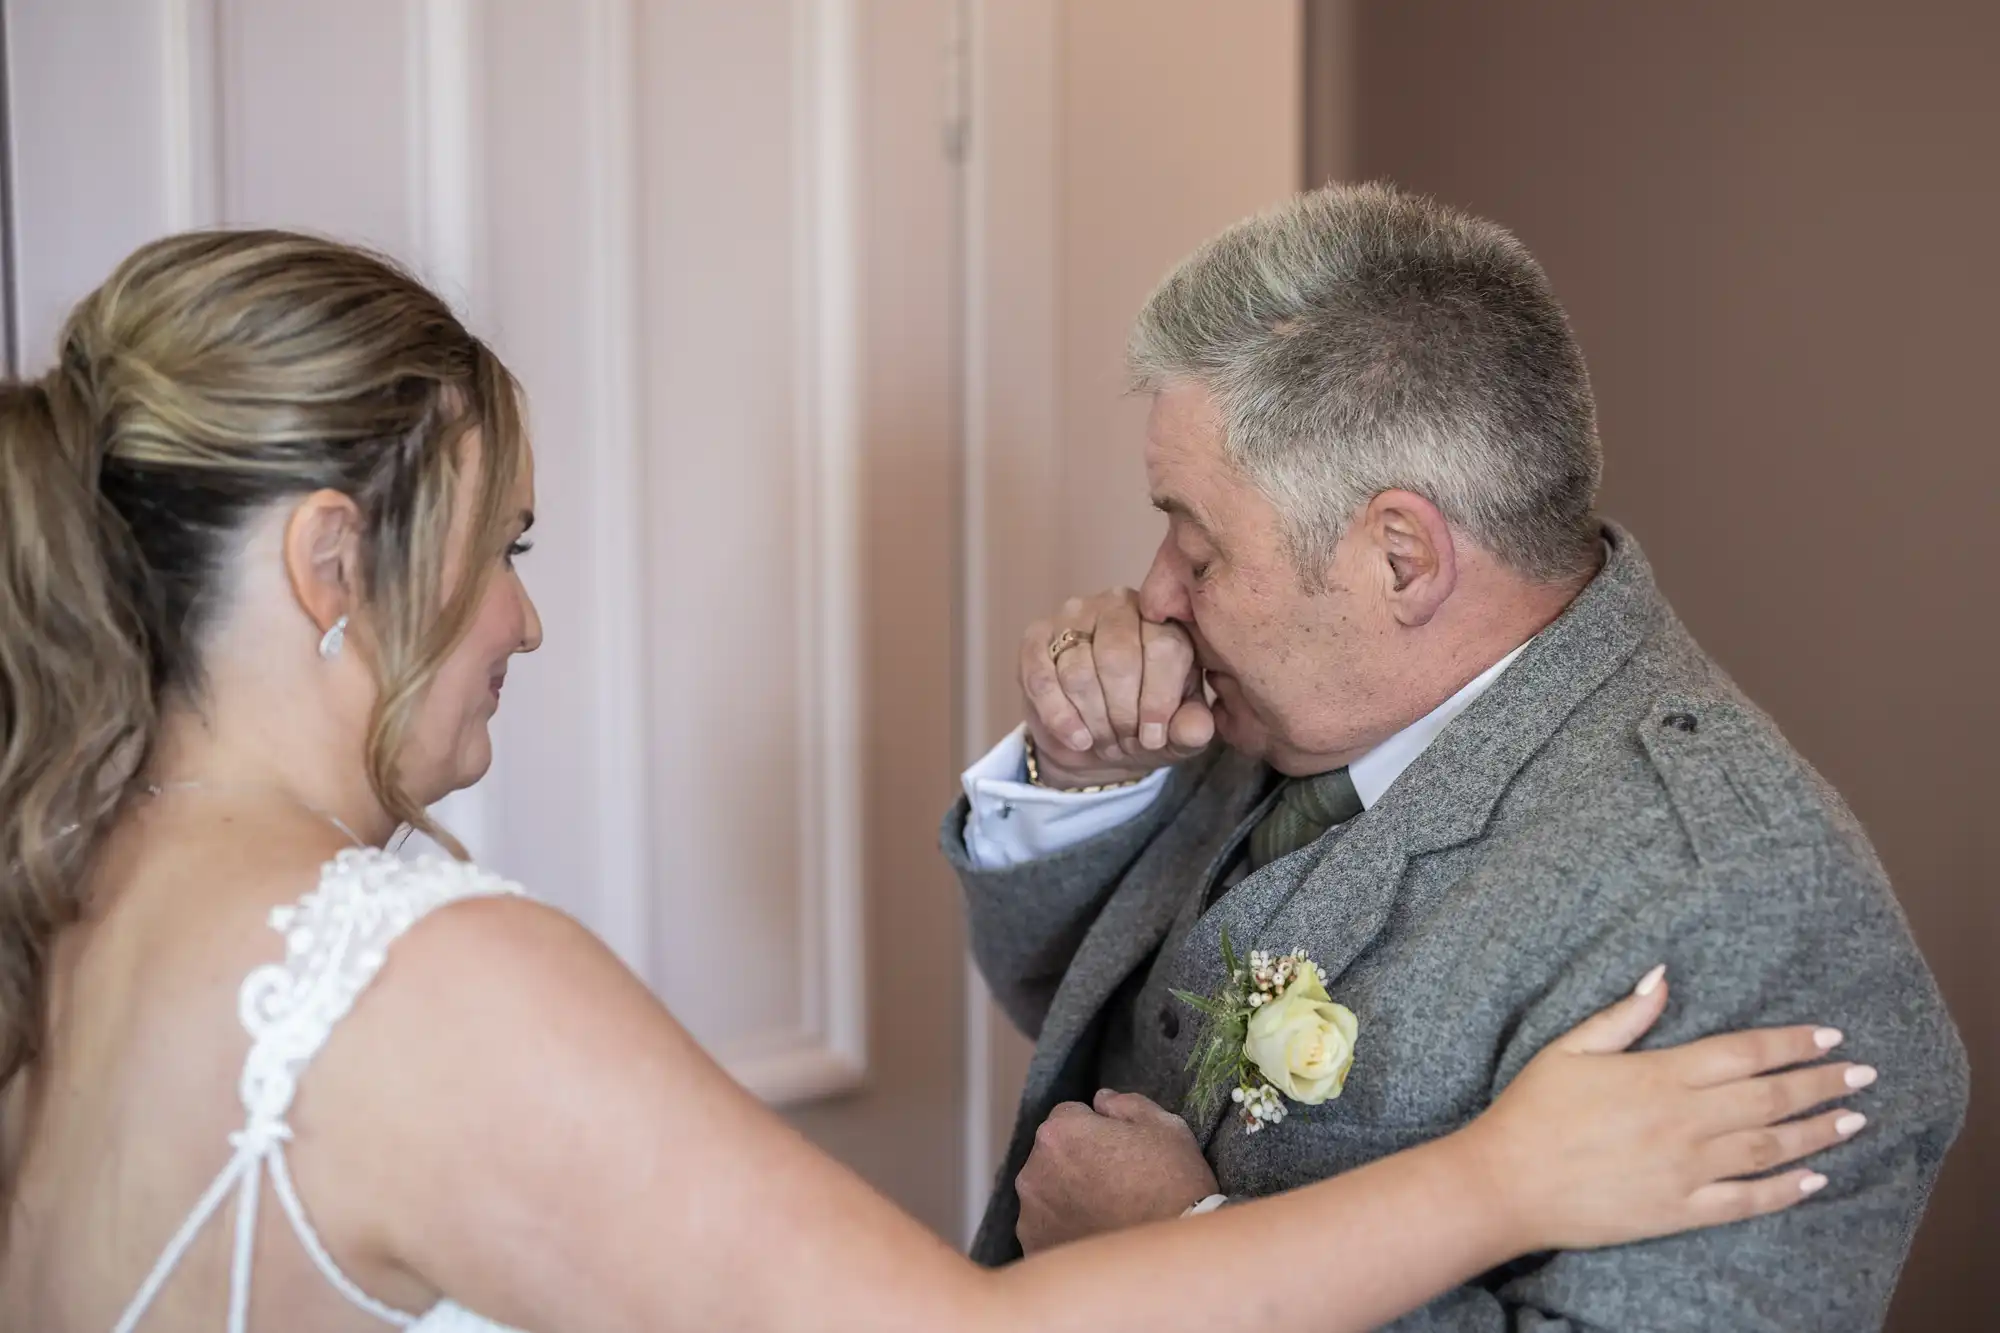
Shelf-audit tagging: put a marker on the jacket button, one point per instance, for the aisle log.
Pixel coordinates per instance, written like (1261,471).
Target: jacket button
(1170,1023)
(1679,721)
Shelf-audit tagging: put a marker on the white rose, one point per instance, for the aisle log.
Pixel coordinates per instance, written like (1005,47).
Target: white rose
(1302,1041)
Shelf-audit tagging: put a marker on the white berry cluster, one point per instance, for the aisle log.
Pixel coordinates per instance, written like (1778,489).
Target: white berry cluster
(1270,975)
(1258,1106)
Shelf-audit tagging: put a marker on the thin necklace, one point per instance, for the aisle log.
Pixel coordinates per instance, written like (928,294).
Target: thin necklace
(159,789)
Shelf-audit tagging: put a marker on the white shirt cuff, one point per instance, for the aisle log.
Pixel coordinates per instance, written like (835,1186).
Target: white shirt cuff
(1012,821)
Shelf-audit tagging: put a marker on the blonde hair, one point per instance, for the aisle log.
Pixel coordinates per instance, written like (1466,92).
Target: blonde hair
(214,374)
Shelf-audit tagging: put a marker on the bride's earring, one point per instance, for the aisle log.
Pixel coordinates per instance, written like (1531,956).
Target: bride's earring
(332,641)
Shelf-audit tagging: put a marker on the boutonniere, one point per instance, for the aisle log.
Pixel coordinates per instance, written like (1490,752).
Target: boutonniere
(1270,1035)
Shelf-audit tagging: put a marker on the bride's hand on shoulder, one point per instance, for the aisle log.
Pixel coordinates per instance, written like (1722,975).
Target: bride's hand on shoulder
(1594,1144)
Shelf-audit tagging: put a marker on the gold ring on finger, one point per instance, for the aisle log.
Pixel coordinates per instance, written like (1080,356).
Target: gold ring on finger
(1068,639)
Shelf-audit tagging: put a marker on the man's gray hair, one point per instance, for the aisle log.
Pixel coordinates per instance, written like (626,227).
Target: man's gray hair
(1360,339)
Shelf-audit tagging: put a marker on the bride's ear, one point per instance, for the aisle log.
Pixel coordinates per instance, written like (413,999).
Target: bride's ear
(323,557)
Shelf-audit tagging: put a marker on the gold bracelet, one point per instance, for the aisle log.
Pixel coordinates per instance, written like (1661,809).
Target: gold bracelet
(1035,774)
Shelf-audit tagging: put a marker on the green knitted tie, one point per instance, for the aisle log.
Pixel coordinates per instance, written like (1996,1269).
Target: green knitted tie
(1307,808)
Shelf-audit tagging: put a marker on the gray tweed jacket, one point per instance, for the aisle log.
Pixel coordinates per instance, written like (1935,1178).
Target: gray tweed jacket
(1611,802)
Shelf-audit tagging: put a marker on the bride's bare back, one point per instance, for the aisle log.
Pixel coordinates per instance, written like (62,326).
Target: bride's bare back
(128,1116)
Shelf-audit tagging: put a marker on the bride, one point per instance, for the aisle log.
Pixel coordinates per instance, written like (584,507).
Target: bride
(258,534)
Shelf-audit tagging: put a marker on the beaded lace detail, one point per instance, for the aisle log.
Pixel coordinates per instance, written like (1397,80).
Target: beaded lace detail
(336,939)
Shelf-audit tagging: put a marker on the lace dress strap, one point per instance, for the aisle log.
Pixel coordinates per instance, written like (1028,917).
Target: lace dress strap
(336,939)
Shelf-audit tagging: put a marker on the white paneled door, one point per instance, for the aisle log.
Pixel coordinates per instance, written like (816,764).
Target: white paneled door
(650,209)
(819,305)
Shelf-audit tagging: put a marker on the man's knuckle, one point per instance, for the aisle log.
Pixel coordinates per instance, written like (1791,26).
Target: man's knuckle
(1042,688)
(1115,658)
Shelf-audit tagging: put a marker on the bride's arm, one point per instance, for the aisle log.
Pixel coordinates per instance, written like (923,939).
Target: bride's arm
(1579,1152)
(522,1127)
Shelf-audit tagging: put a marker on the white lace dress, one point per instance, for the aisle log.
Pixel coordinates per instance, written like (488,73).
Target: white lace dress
(336,938)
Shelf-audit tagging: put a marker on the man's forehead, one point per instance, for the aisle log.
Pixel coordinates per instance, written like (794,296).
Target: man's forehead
(1166,476)
(1179,438)
(1184,415)
(1185,463)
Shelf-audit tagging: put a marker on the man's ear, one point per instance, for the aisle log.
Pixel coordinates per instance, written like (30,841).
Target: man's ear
(323,556)
(1410,544)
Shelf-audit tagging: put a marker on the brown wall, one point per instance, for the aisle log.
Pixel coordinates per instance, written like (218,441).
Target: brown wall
(1777,229)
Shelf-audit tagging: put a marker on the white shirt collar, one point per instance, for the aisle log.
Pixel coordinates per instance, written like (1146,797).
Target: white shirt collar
(1375,772)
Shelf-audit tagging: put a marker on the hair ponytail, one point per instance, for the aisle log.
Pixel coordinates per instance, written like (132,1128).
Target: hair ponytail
(76,697)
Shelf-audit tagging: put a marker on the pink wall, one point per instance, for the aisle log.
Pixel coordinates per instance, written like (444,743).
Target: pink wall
(1174,125)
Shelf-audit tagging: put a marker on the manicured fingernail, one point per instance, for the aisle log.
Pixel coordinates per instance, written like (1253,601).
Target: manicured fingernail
(1651,981)
(1812,1184)
(1152,736)
(1860,1076)
(1850,1124)
(1827,1038)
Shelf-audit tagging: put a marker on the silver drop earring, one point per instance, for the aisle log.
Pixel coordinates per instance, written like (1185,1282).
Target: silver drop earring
(332,641)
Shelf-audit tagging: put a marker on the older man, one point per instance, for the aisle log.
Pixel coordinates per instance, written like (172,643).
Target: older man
(1393,695)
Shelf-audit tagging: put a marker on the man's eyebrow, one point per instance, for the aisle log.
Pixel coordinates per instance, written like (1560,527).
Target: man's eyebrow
(1178,508)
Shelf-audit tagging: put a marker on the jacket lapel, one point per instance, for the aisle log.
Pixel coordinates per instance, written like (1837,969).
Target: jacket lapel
(1139,914)
(1334,896)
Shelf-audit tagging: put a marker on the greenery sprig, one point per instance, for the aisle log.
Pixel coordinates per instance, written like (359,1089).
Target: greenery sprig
(1217,1059)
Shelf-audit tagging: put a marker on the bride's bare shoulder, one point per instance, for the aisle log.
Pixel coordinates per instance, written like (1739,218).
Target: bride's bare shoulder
(482,968)
(501,1061)
(489,996)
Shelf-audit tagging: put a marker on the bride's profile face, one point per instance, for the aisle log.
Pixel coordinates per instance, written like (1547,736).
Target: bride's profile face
(450,746)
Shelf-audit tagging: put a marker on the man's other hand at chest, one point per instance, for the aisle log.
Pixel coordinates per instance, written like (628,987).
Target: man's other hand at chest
(1125,1163)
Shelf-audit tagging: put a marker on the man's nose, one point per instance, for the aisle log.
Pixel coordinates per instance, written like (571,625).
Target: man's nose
(1163,597)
